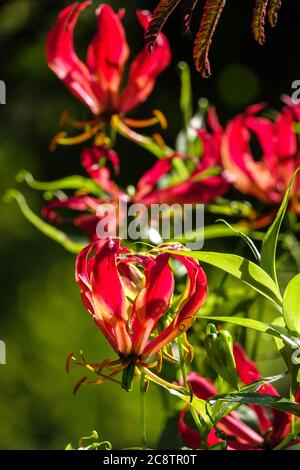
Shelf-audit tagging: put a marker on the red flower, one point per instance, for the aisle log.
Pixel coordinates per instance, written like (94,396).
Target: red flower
(272,428)
(97,81)
(201,185)
(266,177)
(127,294)
(87,204)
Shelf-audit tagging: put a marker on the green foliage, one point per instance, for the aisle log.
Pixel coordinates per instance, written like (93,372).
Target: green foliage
(242,269)
(291,305)
(269,245)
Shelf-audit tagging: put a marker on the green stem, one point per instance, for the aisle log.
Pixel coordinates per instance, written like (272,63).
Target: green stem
(142,412)
(47,229)
(291,437)
(144,141)
(284,443)
(185,381)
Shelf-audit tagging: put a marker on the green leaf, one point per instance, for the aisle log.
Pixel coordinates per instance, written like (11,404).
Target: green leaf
(253,398)
(287,351)
(244,237)
(271,329)
(239,267)
(274,7)
(187,10)
(210,19)
(219,231)
(258,21)
(221,408)
(222,445)
(269,245)
(159,17)
(47,229)
(291,304)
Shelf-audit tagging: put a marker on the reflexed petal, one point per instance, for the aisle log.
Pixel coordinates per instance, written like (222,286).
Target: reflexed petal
(152,301)
(195,189)
(250,177)
(63,60)
(145,69)
(82,275)
(189,192)
(81,204)
(149,180)
(203,388)
(107,54)
(101,285)
(91,158)
(193,298)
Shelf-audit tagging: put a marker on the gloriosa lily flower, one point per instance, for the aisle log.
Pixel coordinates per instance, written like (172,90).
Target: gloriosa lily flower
(266,177)
(271,428)
(204,183)
(129,296)
(97,81)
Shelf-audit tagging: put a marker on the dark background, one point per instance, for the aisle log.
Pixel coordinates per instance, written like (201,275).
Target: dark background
(41,317)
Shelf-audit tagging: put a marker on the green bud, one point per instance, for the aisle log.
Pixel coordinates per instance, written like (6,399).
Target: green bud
(219,348)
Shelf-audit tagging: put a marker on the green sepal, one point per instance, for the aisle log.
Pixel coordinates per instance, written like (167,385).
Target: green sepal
(127,378)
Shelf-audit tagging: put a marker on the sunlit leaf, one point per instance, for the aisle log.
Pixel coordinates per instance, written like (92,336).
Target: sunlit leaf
(188,7)
(291,304)
(241,268)
(220,408)
(260,399)
(274,7)
(244,237)
(159,17)
(209,21)
(286,350)
(269,245)
(258,21)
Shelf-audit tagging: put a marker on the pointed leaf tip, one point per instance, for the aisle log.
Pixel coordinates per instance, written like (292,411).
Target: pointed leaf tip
(210,18)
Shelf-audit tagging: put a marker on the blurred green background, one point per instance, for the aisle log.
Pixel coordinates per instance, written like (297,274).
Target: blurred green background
(42,319)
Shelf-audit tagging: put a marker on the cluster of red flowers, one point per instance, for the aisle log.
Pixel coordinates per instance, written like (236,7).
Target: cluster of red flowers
(127,293)
(97,84)
(228,150)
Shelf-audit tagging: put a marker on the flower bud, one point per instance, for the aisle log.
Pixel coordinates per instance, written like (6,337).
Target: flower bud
(219,347)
